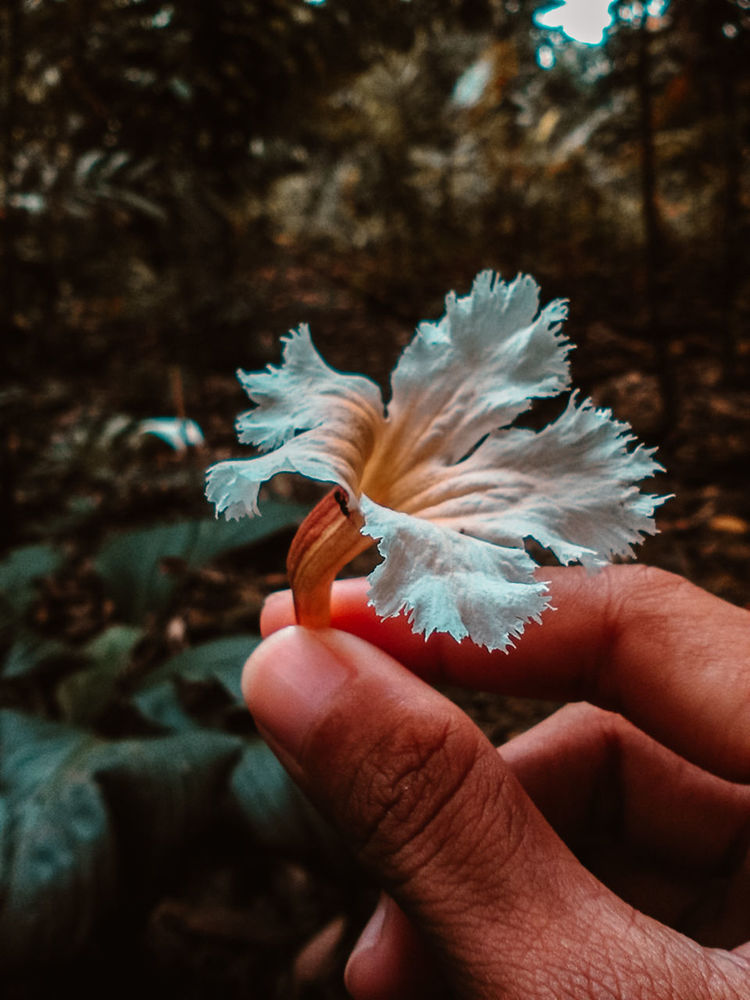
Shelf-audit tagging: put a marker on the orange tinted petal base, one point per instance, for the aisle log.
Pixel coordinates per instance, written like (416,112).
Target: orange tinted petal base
(325,542)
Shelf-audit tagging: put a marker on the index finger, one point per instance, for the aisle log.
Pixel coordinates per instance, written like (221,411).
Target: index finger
(637,640)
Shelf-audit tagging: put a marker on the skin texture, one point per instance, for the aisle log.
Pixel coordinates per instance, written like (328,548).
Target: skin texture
(602,855)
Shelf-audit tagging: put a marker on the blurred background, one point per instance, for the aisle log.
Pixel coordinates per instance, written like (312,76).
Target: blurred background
(182,182)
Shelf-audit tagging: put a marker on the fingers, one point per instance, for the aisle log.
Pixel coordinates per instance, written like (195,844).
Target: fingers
(645,643)
(590,770)
(663,834)
(390,759)
(667,836)
(390,960)
(437,816)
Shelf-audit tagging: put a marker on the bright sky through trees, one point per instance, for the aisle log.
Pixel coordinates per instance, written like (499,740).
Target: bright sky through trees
(588,20)
(584,20)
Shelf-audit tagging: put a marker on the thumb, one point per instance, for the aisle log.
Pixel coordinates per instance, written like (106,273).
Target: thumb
(431,809)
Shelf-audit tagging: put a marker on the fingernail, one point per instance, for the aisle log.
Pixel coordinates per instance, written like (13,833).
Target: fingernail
(289,682)
(366,943)
(276,598)
(370,936)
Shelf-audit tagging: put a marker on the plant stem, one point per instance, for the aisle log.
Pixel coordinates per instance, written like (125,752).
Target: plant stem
(328,538)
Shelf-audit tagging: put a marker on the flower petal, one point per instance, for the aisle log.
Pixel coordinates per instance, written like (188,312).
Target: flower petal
(472,372)
(302,393)
(448,582)
(570,486)
(320,454)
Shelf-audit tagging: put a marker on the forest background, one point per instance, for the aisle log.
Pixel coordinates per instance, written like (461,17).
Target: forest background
(182,182)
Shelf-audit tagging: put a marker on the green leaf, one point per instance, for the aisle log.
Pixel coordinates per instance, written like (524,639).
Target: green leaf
(274,809)
(220,660)
(57,851)
(29,652)
(161,704)
(82,819)
(20,570)
(130,563)
(165,791)
(82,696)
(114,643)
(216,536)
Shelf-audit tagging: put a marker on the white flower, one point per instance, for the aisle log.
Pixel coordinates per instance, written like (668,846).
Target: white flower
(447,488)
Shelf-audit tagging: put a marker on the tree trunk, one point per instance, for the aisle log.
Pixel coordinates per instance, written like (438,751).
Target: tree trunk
(652,227)
(10,331)
(11,67)
(732,208)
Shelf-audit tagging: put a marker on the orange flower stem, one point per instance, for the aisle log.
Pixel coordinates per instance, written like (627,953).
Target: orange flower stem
(325,542)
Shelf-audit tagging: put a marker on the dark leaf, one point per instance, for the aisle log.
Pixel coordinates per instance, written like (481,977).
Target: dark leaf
(20,570)
(57,851)
(219,660)
(77,813)
(272,806)
(85,694)
(29,652)
(131,563)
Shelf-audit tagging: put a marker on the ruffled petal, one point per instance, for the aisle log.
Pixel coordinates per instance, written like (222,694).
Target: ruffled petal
(474,371)
(301,393)
(233,486)
(571,486)
(448,582)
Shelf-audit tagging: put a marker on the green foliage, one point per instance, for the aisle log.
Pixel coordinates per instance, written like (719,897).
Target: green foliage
(30,652)
(217,661)
(86,818)
(272,807)
(85,694)
(83,820)
(19,573)
(77,812)
(131,564)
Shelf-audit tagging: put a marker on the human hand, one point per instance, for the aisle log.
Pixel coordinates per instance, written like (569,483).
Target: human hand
(491,857)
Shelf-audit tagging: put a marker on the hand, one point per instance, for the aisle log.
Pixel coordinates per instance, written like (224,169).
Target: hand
(490,860)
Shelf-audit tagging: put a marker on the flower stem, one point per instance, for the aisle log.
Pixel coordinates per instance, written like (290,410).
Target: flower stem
(325,542)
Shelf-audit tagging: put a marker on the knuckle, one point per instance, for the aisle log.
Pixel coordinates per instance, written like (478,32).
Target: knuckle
(651,585)
(650,592)
(408,795)
(420,797)
(650,596)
